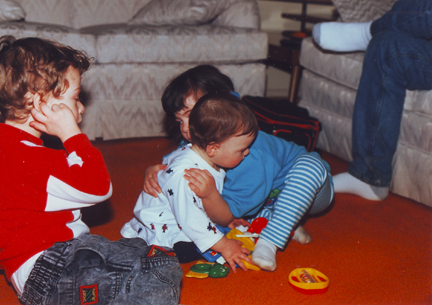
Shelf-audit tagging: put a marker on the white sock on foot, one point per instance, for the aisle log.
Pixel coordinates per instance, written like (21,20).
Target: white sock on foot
(264,255)
(346,183)
(342,36)
(302,236)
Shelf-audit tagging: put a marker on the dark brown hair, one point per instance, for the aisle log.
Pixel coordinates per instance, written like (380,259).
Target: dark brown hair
(217,117)
(33,65)
(205,78)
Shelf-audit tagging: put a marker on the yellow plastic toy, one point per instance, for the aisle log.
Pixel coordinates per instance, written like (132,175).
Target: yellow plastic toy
(245,239)
(247,243)
(308,281)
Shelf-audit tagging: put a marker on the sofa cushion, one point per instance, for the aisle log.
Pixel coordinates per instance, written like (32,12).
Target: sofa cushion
(419,101)
(80,13)
(10,10)
(337,101)
(61,34)
(342,68)
(345,69)
(48,11)
(362,10)
(125,100)
(186,12)
(241,14)
(91,12)
(173,44)
(84,13)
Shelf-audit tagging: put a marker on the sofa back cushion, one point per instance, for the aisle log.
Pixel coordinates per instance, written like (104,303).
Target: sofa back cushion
(129,43)
(80,13)
(185,12)
(10,10)
(362,10)
(241,14)
(230,13)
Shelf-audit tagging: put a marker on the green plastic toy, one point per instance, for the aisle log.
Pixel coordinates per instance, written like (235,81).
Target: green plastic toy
(205,269)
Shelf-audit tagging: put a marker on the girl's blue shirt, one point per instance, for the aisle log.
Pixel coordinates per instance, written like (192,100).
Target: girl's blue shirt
(248,185)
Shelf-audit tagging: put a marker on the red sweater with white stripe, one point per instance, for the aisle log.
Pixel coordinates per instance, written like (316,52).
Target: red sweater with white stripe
(42,191)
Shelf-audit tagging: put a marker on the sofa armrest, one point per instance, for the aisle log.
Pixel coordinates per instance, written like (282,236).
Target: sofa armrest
(362,10)
(241,13)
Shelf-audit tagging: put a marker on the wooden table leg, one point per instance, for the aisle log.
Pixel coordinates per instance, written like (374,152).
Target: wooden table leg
(295,77)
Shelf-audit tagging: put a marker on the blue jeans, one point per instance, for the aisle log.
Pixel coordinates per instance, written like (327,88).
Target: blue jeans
(93,270)
(398,57)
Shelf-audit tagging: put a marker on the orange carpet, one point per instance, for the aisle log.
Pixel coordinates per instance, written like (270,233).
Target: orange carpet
(372,252)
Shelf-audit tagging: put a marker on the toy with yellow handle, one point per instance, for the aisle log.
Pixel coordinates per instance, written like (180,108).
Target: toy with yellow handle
(246,238)
(247,243)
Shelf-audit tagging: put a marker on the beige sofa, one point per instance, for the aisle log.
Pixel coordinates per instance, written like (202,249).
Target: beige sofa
(328,89)
(139,46)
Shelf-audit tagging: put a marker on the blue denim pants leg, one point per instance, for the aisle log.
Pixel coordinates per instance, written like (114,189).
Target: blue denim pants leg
(394,62)
(93,270)
(407,16)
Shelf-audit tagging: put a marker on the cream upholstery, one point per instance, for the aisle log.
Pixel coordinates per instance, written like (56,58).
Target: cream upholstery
(328,89)
(134,60)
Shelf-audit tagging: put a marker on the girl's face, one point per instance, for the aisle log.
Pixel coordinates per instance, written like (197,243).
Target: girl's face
(182,116)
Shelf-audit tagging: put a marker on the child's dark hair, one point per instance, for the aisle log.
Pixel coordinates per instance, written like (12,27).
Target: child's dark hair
(33,65)
(217,117)
(205,78)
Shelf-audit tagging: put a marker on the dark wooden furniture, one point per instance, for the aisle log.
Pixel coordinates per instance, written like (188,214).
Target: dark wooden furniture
(285,56)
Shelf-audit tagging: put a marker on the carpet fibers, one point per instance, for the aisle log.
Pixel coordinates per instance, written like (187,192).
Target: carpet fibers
(372,252)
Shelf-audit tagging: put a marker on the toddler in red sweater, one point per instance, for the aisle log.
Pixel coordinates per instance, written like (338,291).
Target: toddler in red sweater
(44,244)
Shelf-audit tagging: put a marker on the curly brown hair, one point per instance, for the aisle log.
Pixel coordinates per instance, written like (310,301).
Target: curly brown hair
(217,117)
(33,65)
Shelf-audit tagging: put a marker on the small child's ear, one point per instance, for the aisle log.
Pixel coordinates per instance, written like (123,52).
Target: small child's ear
(33,99)
(212,150)
(37,100)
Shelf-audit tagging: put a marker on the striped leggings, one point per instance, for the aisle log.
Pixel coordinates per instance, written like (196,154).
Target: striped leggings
(308,187)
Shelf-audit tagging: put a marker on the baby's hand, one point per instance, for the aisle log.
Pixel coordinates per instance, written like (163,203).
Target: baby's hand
(201,182)
(151,185)
(238,222)
(58,121)
(233,253)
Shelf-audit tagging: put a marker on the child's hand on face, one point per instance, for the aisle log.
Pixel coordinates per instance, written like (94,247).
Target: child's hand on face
(201,182)
(233,253)
(151,185)
(58,120)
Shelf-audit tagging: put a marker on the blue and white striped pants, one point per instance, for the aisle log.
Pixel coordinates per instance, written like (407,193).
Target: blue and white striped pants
(308,188)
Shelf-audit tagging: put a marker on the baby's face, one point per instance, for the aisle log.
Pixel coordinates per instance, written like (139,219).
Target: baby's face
(182,116)
(233,150)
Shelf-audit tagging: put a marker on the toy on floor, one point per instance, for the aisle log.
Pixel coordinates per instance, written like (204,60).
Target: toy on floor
(247,243)
(308,281)
(257,225)
(247,238)
(202,270)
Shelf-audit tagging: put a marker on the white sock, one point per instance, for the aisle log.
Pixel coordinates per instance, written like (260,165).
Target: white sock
(342,36)
(346,183)
(302,236)
(264,255)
